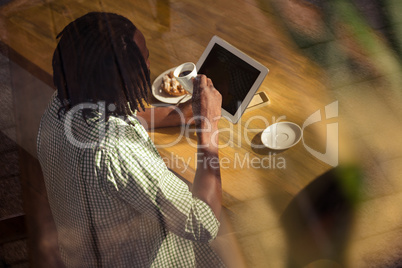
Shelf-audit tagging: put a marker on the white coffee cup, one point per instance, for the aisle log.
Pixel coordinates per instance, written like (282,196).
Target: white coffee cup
(184,74)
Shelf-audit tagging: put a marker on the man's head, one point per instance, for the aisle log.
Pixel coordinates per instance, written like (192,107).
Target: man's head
(102,57)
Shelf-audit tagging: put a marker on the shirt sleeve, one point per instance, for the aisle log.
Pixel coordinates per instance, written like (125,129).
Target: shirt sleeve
(133,171)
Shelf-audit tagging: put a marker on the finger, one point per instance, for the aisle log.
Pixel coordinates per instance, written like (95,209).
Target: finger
(196,85)
(209,83)
(203,81)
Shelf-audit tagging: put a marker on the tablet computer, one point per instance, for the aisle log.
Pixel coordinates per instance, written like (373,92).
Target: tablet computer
(235,75)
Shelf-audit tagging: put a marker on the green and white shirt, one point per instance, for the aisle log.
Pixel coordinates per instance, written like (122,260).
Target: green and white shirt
(114,201)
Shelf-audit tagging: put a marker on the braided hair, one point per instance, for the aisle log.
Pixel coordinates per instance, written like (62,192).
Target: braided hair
(97,59)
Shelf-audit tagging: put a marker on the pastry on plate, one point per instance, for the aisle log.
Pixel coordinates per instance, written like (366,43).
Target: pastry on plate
(171,86)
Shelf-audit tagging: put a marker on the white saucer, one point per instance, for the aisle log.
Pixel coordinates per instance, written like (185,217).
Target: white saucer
(160,95)
(281,135)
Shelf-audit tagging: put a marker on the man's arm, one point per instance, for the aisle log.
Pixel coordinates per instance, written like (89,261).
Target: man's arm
(207,111)
(167,116)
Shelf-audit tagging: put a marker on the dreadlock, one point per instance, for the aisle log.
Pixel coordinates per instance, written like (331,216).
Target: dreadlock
(96,60)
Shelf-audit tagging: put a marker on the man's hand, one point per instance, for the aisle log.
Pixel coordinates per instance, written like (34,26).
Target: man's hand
(207,103)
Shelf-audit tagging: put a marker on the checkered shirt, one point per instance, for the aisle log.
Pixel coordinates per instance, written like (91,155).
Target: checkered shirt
(114,201)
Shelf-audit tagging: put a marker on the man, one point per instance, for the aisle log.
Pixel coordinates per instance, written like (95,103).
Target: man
(114,202)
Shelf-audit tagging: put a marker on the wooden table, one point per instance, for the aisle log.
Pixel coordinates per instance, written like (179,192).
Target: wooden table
(257,183)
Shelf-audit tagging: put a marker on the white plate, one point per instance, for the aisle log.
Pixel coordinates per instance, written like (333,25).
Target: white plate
(162,96)
(281,135)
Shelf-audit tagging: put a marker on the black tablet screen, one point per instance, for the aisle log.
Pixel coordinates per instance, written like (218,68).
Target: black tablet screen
(231,76)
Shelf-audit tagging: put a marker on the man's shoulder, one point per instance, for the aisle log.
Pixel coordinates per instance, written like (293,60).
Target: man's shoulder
(92,129)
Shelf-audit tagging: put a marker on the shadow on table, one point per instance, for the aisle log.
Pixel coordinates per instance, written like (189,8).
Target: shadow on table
(318,221)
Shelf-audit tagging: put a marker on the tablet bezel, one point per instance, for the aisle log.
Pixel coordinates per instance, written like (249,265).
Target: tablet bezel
(257,83)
